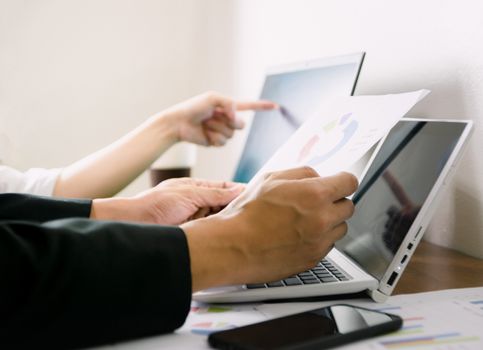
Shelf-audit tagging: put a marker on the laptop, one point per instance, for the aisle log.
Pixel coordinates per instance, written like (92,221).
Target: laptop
(396,198)
(298,88)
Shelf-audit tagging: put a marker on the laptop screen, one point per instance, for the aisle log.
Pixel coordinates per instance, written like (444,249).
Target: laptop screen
(395,188)
(298,92)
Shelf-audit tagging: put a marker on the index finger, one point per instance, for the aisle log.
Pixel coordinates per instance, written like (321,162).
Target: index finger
(255,105)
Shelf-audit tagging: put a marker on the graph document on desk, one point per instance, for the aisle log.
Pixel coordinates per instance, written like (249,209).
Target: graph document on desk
(447,320)
(444,320)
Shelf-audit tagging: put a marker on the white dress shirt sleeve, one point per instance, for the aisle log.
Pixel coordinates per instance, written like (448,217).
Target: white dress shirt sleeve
(34,181)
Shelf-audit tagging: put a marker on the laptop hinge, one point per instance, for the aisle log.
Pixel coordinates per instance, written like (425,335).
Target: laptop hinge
(377,296)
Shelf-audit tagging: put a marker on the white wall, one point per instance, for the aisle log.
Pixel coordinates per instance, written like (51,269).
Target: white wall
(411,44)
(75,75)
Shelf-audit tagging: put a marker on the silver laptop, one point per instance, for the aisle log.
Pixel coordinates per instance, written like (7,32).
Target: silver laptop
(299,88)
(394,204)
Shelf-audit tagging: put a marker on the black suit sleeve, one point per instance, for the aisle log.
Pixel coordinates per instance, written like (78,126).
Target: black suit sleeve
(24,207)
(74,282)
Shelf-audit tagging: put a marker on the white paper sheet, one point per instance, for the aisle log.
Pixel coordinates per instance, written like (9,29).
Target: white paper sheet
(444,320)
(337,135)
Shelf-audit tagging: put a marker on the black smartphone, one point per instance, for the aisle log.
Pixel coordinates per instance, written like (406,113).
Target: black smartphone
(317,329)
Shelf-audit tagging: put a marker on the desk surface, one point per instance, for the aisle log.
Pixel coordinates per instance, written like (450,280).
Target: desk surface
(431,268)
(435,268)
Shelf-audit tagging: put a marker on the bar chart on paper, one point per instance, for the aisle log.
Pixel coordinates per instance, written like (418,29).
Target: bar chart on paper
(444,324)
(416,333)
(205,319)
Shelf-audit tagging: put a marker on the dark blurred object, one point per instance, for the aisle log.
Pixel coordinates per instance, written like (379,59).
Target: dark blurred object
(159,175)
(398,223)
(399,219)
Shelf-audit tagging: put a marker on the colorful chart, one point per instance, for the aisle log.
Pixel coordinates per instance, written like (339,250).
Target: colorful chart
(206,328)
(340,130)
(210,309)
(416,334)
(438,339)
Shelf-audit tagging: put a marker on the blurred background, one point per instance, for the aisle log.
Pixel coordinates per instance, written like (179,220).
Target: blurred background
(76,75)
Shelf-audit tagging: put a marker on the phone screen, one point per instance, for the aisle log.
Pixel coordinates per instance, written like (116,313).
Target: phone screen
(329,326)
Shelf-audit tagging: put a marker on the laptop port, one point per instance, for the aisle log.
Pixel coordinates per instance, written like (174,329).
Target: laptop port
(410,246)
(419,231)
(403,260)
(391,279)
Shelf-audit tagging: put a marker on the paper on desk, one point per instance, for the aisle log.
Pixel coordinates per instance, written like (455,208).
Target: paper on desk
(444,320)
(337,135)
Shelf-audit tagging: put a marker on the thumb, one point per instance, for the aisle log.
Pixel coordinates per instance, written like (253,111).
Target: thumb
(217,197)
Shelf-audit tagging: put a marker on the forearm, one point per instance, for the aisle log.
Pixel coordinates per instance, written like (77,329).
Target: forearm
(109,170)
(78,283)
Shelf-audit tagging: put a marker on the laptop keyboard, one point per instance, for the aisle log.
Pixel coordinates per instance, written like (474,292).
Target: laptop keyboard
(324,272)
